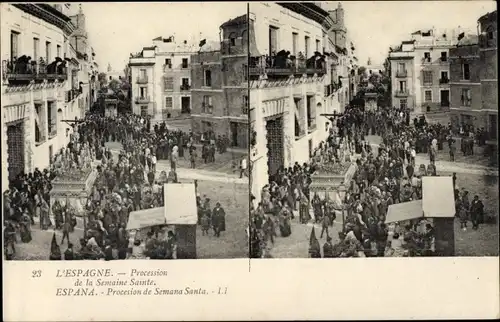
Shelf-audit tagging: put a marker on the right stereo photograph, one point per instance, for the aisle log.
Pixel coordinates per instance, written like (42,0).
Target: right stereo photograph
(373,130)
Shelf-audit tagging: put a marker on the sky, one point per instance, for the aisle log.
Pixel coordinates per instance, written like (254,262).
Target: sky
(118,29)
(374,26)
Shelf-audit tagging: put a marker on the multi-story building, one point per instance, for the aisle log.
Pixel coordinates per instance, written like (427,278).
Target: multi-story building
(489,73)
(473,79)
(287,85)
(220,85)
(37,93)
(161,79)
(420,71)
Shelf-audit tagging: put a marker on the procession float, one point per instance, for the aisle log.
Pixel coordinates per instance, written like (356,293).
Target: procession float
(74,181)
(331,182)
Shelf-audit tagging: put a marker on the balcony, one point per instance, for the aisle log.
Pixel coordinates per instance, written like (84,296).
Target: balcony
(185,87)
(401,74)
(402,93)
(331,89)
(71,95)
(245,110)
(142,99)
(142,80)
(443,60)
(207,108)
(444,81)
(16,71)
(285,66)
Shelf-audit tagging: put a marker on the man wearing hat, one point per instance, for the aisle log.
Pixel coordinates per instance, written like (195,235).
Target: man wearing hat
(218,220)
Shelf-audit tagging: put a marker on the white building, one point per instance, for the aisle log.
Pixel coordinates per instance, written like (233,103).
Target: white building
(420,71)
(287,99)
(35,99)
(161,79)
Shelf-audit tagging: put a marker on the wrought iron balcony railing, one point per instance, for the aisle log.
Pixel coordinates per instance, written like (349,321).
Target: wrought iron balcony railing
(142,80)
(185,87)
(142,99)
(401,74)
(31,70)
(285,66)
(444,81)
(402,93)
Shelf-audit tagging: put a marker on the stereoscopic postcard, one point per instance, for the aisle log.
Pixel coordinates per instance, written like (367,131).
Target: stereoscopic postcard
(280,160)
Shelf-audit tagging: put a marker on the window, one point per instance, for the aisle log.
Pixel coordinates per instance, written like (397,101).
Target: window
(185,84)
(465,98)
(36,48)
(184,63)
(428,96)
(273,40)
(318,45)
(403,103)
(427,57)
(58,50)
(444,56)
(168,63)
(401,68)
(444,75)
(232,39)
(244,109)
(311,113)
(427,77)
(206,104)
(168,102)
(168,83)
(306,46)
(143,92)
(14,44)
(465,71)
(402,86)
(208,78)
(47,52)
(245,72)
(295,39)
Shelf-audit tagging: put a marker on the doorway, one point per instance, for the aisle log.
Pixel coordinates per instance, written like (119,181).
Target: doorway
(185,105)
(275,149)
(445,98)
(234,133)
(15,149)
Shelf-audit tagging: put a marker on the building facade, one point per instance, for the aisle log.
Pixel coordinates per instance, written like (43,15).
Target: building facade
(420,71)
(161,79)
(40,87)
(220,85)
(489,74)
(473,76)
(288,98)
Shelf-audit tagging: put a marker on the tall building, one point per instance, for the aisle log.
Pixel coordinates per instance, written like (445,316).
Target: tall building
(161,79)
(473,76)
(290,89)
(40,85)
(420,71)
(489,73)
(220,85)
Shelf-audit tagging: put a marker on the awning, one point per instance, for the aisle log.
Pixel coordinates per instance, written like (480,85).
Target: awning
(146,218)
(438,197)
(404,211)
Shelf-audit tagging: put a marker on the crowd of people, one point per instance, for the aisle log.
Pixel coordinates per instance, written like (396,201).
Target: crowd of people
(123,184)
(384,175)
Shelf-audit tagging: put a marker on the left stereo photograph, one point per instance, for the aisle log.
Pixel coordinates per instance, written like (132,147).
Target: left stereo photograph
(125,140)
